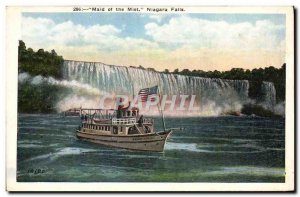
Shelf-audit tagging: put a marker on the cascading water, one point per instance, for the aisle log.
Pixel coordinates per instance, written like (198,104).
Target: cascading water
(88,82)
(218,95)
(121,79)
(268,95)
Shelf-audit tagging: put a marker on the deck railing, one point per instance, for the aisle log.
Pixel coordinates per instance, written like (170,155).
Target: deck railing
(148,120)
(119,121)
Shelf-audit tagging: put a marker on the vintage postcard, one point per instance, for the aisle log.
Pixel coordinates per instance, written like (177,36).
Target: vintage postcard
(150,98)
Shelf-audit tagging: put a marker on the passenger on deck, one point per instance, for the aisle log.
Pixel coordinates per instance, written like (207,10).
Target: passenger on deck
(141,121)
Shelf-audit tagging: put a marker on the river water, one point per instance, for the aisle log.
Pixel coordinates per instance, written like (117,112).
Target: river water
(210,149)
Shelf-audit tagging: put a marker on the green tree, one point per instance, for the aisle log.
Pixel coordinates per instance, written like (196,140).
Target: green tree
(53,53)
(185,72)
(151,69)
(141,67)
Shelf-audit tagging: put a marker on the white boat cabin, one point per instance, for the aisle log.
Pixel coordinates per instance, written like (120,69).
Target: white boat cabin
(115,122)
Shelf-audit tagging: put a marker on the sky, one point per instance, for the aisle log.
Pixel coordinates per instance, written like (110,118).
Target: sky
(162,41)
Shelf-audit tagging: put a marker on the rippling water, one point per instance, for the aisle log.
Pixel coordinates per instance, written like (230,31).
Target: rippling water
(210,149)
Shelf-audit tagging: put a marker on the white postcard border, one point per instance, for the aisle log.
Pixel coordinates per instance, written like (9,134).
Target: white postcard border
(13,17)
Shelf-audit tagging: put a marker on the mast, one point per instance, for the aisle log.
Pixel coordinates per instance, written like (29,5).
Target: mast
(160,109)
(132,91)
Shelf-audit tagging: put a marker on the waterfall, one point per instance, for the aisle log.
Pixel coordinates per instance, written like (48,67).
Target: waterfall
(128,80)
(122,80)
(219,95)
(268,95)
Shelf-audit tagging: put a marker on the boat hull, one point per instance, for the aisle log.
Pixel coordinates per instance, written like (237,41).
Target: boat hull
(153,142)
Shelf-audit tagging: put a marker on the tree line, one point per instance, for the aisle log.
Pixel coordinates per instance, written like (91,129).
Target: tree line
(39,62)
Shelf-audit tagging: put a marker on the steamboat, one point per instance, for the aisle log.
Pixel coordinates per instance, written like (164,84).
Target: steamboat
(121,128)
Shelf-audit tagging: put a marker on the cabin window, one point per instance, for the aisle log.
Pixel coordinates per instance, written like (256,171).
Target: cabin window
(133,113)
(115,130)
(128,113)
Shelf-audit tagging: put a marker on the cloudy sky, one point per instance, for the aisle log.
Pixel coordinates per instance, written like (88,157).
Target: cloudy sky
(193,41)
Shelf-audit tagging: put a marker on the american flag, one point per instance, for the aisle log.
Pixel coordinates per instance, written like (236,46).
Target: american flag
(148,94)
